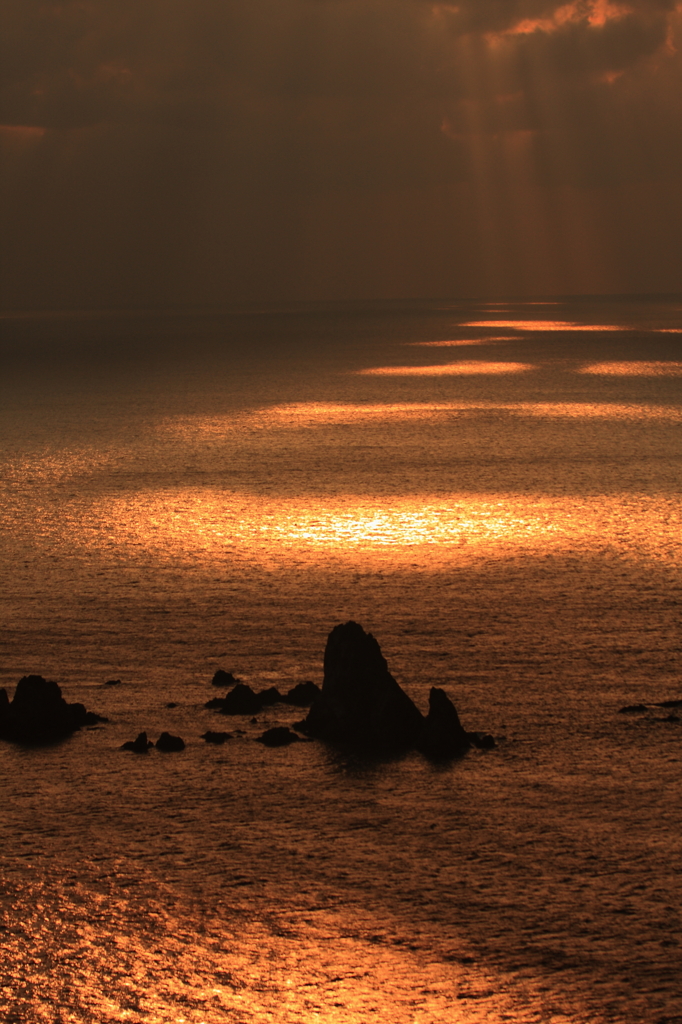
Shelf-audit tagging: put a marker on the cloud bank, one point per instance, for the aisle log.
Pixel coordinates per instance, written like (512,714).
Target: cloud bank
(204,151)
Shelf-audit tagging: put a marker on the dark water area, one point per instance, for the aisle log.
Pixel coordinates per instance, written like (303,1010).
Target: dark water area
(219,489)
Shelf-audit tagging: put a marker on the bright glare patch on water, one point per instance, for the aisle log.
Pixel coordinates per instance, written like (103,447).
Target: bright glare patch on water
(463,368)
(419,530)
(459,342)
(634,369)
(307,414)
(543,325)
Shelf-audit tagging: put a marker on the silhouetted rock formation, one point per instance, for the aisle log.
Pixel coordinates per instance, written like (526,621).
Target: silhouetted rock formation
(113,682)
(215,703)
(442,734)
(303,694)
(269,697)
(670,704)
(216,737)
(39,714)
(224,679)
(361,704)
(140,745)
(169,743)
(631,709)
(279,736)
(241,701)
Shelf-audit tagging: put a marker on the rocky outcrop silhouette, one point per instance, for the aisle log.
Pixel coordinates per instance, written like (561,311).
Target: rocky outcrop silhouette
(216,737)
(279,736)
(224,679)
(140,745)
(442,735)
(361,704)
(303,694)
(39,714)
(169,743)
(269,697)
(242,700)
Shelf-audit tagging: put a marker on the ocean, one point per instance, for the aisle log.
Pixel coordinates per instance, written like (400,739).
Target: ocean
(493,491)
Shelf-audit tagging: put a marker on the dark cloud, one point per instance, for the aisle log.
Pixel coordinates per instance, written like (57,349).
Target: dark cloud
(210,149)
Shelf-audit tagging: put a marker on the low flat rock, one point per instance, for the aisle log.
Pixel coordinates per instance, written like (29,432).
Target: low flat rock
(279,736)
(216,737)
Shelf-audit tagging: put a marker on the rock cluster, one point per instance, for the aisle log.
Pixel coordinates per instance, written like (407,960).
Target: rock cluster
(242,700)
(166,743)
(39,714)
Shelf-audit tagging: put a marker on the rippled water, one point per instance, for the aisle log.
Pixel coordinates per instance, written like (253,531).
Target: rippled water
(186,492)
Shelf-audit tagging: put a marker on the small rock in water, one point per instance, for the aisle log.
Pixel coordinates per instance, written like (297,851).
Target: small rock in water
(632,709)
(169,743)
(215,702)
(482,740)
(269,697)
(670,704)
(303,694)
(279,736)
(224,679)
(140,745)
(216,737)
(241,701)
(113,682)
(171,704)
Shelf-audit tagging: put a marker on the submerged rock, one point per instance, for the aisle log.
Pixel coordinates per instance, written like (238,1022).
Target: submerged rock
(216,737)
(39,714)
(361,704)
(113,682)
(631,709)
(442,735)
(482,740)
(279,736)
(169,743)
(140,745)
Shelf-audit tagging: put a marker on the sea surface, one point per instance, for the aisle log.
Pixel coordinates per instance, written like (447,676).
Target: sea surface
(493,490)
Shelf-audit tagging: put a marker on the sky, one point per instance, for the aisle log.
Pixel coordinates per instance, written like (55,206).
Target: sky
(189,152)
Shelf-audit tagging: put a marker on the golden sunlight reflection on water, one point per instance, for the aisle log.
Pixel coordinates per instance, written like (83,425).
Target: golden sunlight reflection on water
(455,343)
(307,414)
(463,367)
(544,325)
(423,531)
(640,368)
